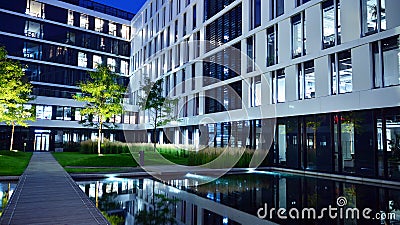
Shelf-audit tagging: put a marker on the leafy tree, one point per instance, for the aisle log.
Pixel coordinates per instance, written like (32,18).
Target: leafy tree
(160,107)
(103,97)
(15,93)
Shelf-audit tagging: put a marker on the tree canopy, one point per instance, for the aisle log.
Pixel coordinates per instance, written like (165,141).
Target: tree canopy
(103,97)
(15,94)
(160,107)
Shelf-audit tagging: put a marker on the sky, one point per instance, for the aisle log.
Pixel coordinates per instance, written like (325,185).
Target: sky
(127,5)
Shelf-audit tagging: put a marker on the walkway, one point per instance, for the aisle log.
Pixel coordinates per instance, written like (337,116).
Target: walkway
(46,194)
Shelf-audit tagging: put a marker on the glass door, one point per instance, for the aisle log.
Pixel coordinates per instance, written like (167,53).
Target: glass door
(42,142)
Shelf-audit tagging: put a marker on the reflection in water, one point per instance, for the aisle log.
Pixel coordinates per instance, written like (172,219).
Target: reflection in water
(235,199)
(6,191)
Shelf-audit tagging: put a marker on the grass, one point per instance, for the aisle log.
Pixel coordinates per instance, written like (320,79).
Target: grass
(13,163)
(75,159)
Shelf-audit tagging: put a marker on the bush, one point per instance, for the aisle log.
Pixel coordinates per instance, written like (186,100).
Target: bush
(107,147)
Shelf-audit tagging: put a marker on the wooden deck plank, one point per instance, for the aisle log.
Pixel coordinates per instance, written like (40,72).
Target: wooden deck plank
(46,194)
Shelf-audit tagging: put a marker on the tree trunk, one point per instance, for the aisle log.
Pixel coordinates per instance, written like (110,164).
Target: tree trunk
(99,140)
(155,132)
(12,136)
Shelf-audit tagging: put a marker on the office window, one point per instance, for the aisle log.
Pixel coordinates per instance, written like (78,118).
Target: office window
(84,21)
(184,24)
(98,25)
(342,82)
(306,80)
(331,23)
(163,16)
(183,81)
(386,63)
(194,18)
(171,4)
(44,112)
(272,43)
(97,60)
(278,86)
(124,67)
(255,14)
(185,44)
(196,43)
(251,53)
(298,36)
(151,29)
(82,59)
(112,29)
(70,17)
(373,16)
(193,77)
(177,55)
(125,31)
(301,2)
(78,116)
(111,63)
(178,6)
(255,91)
(176,31)
(32,50)
(35,8)
(277,8)
(33,29)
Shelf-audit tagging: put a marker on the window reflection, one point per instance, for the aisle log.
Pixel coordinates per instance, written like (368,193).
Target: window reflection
(33,29)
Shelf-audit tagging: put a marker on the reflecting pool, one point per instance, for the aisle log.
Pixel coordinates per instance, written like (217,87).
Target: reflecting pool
(6,191)
(243,198)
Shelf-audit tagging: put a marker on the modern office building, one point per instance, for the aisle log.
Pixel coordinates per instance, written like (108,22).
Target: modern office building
(320,78)
(59,42)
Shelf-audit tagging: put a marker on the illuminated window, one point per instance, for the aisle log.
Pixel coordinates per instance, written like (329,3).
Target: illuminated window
(82,59)
(98,25)
(97,60)
(44,112)
(70,17)
(306,79)
(125,32)
(84,21)
(342,82)
(124,67)
(111,63)
(112,29)
(35,8)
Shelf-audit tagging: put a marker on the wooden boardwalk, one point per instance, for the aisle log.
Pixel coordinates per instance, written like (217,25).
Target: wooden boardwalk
(46,194)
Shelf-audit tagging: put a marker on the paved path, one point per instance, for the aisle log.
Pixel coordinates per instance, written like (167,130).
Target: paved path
(46,194)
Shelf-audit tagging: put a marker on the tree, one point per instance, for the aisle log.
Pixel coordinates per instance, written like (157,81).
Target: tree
(103,97)
(15,93)
(160,107)
(161,213)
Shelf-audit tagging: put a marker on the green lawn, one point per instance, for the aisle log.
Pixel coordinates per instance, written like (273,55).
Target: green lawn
(13,163)
(75,159)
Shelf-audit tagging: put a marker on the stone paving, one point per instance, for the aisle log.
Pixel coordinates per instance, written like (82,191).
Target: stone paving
(46,194)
